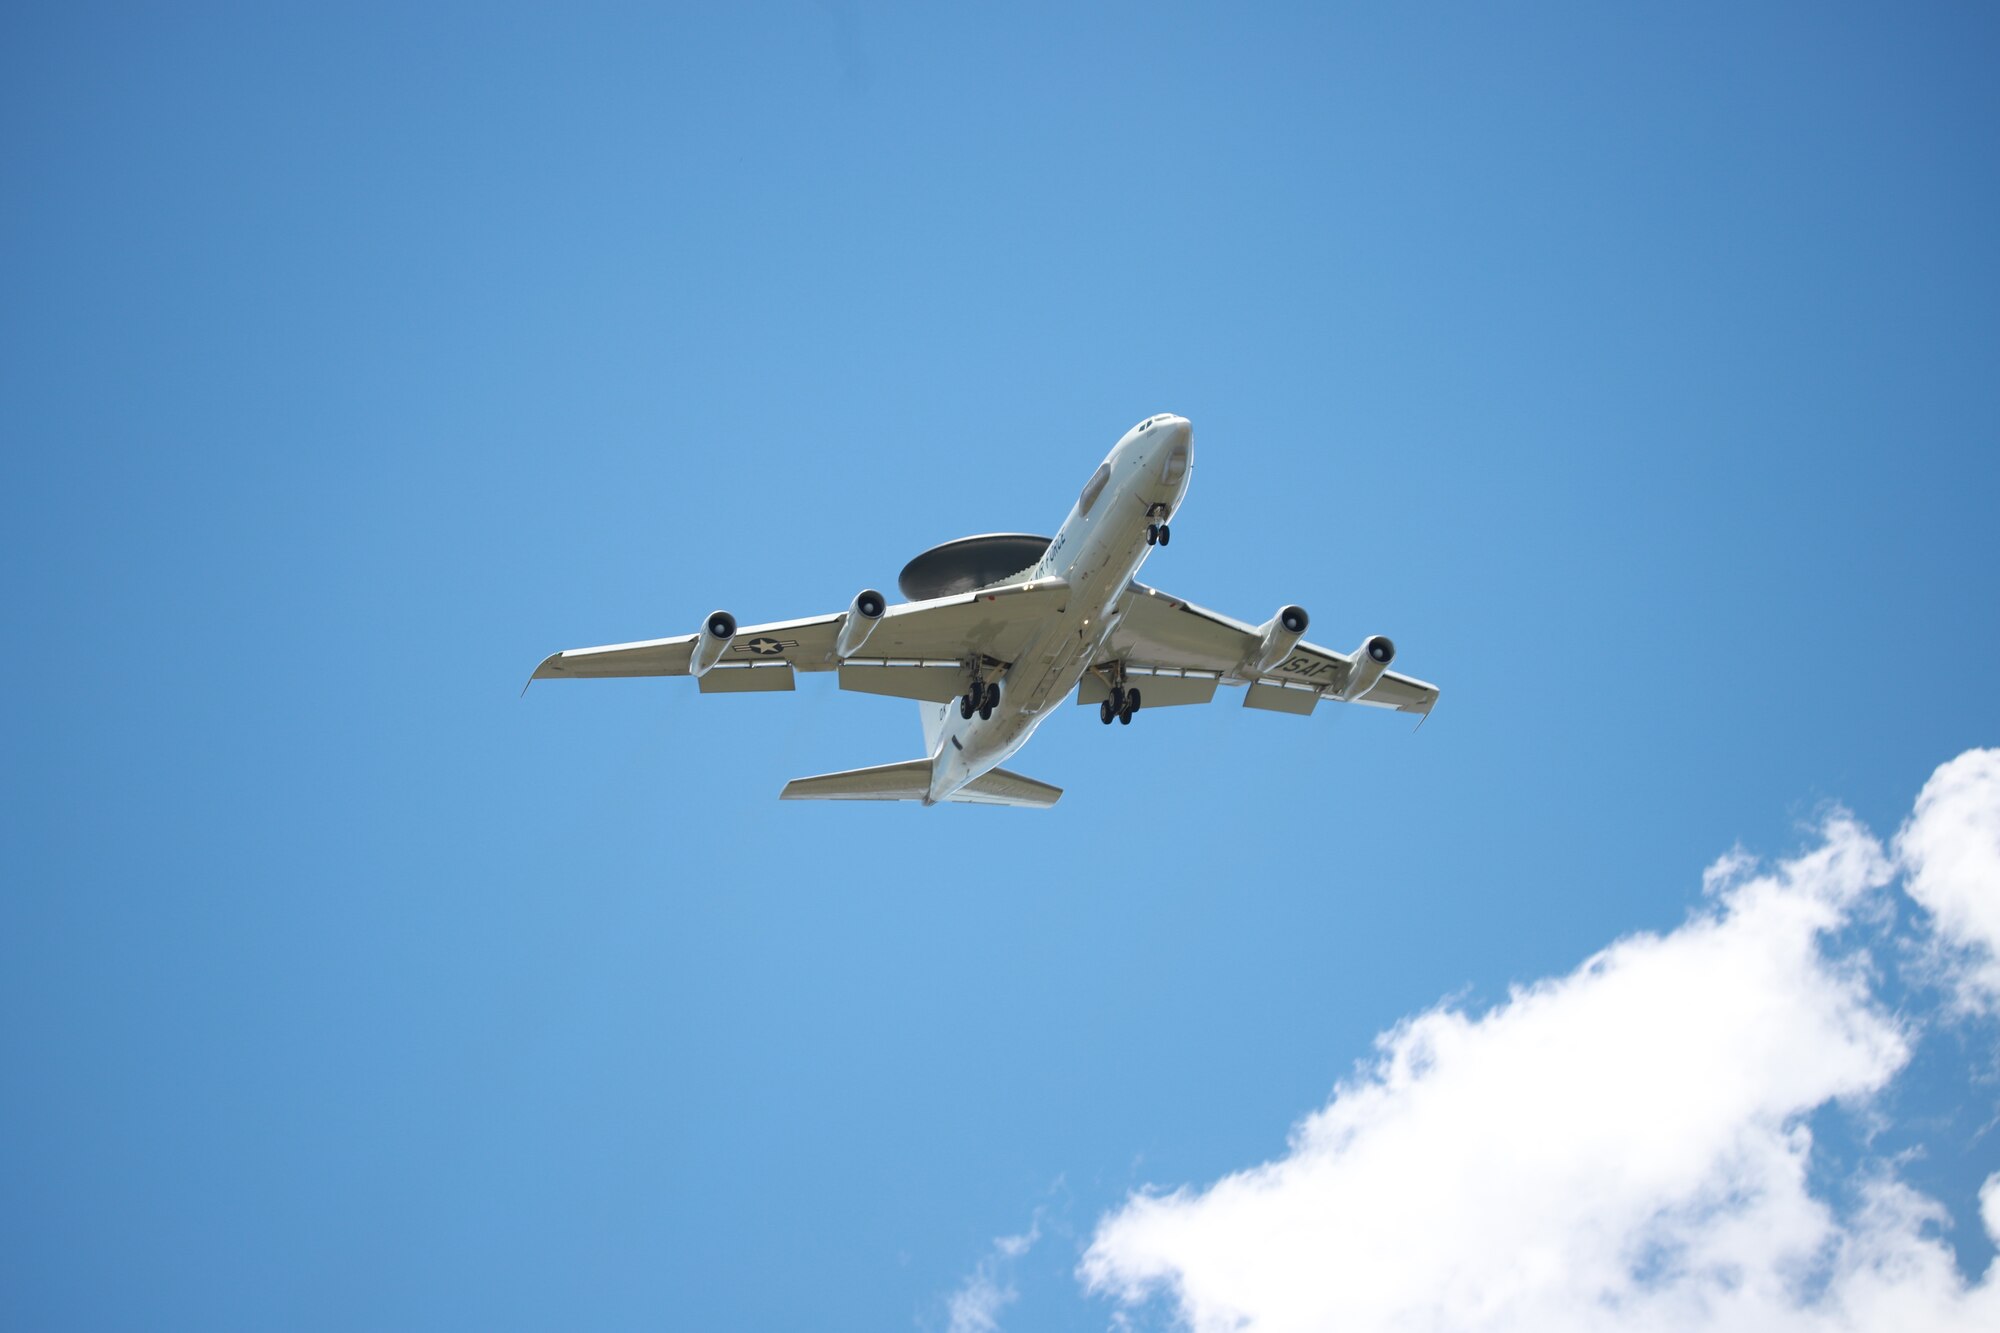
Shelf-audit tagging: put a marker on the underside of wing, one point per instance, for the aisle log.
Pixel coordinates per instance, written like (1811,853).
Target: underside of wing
(916,644)
(993,623)
(650,657)
(1405,694)
(1161,630)
(1179,652)
(790,642)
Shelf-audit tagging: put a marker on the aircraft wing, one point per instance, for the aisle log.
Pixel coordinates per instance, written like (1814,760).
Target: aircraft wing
(1185,648)
(781,640)
(909,652)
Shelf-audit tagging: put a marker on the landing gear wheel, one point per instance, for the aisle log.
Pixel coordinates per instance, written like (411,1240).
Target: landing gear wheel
(965,705)
(1152,534)
(993,695)
(1128,706)
(1166,534)
(1117,698)
(1104,713)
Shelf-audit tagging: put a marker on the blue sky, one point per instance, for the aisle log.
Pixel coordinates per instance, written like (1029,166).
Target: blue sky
(1634,370)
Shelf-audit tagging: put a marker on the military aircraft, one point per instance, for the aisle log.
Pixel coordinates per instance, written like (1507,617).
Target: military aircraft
(1000,628)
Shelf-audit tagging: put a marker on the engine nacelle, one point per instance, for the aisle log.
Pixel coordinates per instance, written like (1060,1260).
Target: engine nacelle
(712,642)
(864,613)
(1371,659)
(1279,635)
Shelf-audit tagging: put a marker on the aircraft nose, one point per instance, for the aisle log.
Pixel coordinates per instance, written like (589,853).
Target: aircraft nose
(1178,453)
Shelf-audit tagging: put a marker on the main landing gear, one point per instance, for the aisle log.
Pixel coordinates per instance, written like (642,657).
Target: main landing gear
(1121,705)
(981,698)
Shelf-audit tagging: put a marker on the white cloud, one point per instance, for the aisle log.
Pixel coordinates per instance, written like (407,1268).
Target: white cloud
(1951,847)
(1624,1147)
(975,1307)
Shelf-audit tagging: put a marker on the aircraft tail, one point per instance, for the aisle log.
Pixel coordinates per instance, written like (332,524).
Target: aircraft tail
(934,718)
(911,781)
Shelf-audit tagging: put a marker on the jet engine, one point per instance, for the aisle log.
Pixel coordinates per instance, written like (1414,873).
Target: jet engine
(1371,659)
(864,613)
(1278,636)
(712,642)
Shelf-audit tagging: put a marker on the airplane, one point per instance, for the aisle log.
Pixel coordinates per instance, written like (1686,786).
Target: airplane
(1000,628)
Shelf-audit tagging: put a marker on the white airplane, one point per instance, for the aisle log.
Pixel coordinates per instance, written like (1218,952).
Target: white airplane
(1000,628)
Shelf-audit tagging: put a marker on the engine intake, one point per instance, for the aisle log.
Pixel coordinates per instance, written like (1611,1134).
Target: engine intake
(713,641)
(1278,636)
(1371,659)
(864,613)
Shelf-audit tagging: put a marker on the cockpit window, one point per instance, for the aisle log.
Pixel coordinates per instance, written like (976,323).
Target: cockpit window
(1093,488)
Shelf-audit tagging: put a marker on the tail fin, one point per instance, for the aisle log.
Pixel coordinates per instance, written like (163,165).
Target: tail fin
(911,781)
(934,716)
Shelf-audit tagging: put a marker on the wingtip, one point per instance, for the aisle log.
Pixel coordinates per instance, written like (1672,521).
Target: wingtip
(536,674)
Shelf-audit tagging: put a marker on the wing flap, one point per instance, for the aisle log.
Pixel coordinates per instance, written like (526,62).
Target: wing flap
(734,679)
(929,682)
(1281,698)
(1157,689)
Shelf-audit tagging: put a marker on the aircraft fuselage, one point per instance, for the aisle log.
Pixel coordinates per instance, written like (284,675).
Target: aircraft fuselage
(1097,552)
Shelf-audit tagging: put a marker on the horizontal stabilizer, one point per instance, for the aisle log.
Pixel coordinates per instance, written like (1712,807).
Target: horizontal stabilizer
(911,781)
(999,787)
(907,781)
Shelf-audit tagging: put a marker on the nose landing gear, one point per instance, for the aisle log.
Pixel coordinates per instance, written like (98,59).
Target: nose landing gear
(1158,534)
